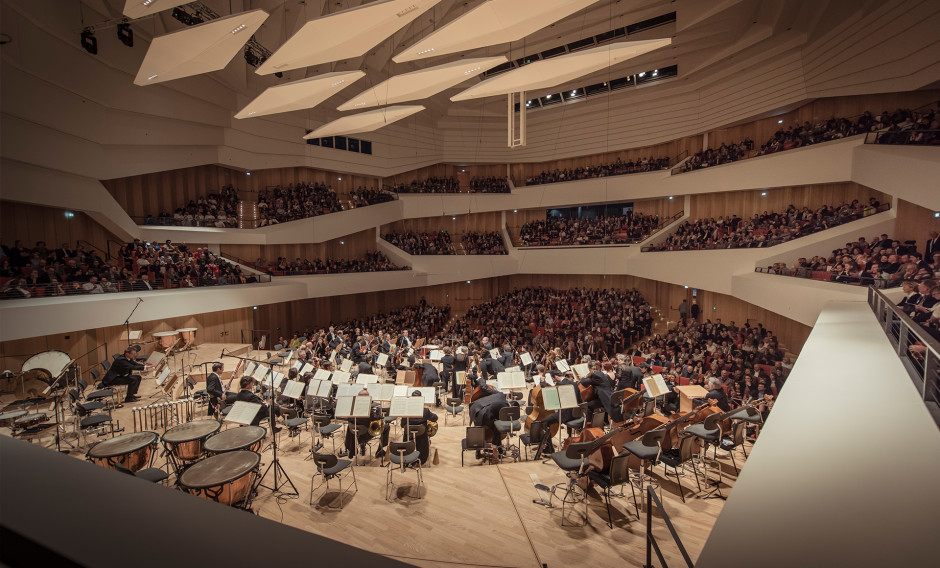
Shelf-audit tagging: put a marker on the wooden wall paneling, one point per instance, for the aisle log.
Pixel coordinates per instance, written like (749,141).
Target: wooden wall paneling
(914,223)
(31,223)
(749,202)
(154,193)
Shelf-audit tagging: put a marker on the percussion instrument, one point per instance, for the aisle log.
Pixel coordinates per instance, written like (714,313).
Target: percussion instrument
(184,442)
(30,420)
(224,478)
(132,451)
(48,365)
(188,335)
(166,339)
(8,418)
(235,439)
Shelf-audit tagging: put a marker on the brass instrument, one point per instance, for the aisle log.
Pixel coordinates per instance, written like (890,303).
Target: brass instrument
(375,427)
(432,429)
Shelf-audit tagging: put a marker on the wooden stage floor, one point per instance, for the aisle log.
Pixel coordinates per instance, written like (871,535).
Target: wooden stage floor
(478,515)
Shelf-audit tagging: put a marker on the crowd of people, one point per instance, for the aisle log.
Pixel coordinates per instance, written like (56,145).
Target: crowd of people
(423,319)
(629,228)
(583,321)
(372,262)
(363,196)
(138,267)
(422,243)
(903,126)
(430,185)
(765,229)
(296,201)
(882,262)
(214,210)
(617,168)
(481,184)
(475,242)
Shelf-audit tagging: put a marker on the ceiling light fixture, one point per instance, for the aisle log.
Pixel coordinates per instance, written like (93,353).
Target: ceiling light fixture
(239,28)
(779,122)
(469,71)
(428,50)
(340,82)
(147,2)
(152,77)
(548,97)
(643,74)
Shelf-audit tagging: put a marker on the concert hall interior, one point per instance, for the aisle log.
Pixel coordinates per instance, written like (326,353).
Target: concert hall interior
(487,283)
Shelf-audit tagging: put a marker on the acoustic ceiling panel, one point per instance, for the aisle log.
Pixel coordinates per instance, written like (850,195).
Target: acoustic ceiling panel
(365,122)
(492,23)
(344,35)
(199,49)
(555,71)
(422,84)
(296,95)
(139,8)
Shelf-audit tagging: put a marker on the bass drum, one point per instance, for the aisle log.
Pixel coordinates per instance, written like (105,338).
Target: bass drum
(47,365)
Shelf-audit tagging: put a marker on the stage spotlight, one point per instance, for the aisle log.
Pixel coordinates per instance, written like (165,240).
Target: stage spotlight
(125,34)
(89,42)
(182,16)
(279,75)
(250,57)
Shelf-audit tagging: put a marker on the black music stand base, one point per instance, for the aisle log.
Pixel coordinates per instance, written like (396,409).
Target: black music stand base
(277,486)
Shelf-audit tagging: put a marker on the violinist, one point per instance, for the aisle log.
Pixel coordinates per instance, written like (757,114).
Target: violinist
(628,376)
(716,393)
(507,357)
(359,349)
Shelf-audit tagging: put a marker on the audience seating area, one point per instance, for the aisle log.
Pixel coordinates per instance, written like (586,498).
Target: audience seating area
(763,230)
(422,243)
(372,262)
(616,168)
(363,196)
(489,185)
(475,242)
(554,231)
(282,204)
(215,210)
(430,185)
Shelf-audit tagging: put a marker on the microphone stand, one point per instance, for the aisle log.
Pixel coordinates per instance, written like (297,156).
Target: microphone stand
(127,324)
(275,463)
(57,400)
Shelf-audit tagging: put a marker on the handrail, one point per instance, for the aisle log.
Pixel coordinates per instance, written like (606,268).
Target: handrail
(819,226)
(830,277)
(663,223)
(923,363)
(107,255)
(651,543)
(119,245)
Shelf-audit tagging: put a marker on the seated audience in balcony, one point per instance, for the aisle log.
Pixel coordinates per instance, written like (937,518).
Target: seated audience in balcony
(214,210)
(296,201)
(372,262)
(422,243)
(616,168)
(483,243)
(363,196)
(630,228)
(489,185)
(725,154)
(430,185)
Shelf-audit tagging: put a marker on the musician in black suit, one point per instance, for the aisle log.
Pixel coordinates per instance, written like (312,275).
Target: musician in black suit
(360,349)
(603,389)
(358,430)
(246,395)
(422,442)
(430,375)
(567,414)
(716,393)
(490,366)
(120,374)
(507,357)
(214,388)
(447,369)
(485,411)
(933,245)
(405,341)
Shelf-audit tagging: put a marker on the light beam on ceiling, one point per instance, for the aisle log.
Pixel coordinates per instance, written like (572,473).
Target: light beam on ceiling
(421,84)
(344,35)
(365,122)
(492,23)
(296,95)
(199,49)
(553,72)
(139,8)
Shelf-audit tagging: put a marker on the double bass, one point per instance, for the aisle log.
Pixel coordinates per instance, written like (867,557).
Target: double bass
(539,412)
(600,459)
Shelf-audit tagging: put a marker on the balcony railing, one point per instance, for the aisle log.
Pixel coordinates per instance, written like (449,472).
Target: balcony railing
(831,276)
(911,137)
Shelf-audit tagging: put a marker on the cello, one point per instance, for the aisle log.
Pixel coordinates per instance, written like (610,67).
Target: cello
(599,460)
(539,412)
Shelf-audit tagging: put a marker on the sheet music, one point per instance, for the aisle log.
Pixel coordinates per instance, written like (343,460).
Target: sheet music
(461,377)
(550,398)
(312,386)
(382,359)
(526,359)
(656,385)
(362,407)
(322,375)
(243,412)
(400,377)
(567,397)
(347,389)
(550,380)
(513,368)
(492,383)
(511,380)
(297,365)
(430,394)
(340,377)
(332,356)
(406,407)
(293,389)
(381,392)
(494,353)
(581,370)
(562,365)
(163,375)
(344,406)
(324,390)
(436,355)
(278,380)
(260,372)
(250,369)
(346,365)
(365,379)
(155,357)
(307,368)
(401,390)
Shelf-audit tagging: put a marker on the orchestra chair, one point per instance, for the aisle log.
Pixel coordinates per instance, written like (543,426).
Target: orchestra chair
(709,432)
(617,476)
(86,420)
(454,408)
(573,461)
(577,419)
(508,423)
(99,394)
(293,421)
(536,436)
(151,474)
(598,419)
(647,449)
(734,441)
(325,429)
(331,467)
(403,456)
(439,387)
(475,441)
(676,458)
(749,415)
(391,421)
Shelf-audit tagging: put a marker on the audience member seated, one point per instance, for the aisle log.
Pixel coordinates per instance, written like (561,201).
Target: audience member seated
(430,185)
(422,243)
(911,127)
(214,210)
(373,262)
(630,228)
(726,153)
(151,266)
(617,168)
(422,320)
(763,230)
(584,321)
(282,204)
(489,185)
(483,243)
(369,196)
